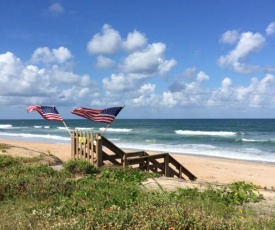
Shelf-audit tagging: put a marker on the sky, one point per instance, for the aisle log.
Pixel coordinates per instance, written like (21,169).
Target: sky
(161,59)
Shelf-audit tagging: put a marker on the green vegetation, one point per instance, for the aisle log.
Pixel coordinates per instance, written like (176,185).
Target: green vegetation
(4,147)
(39,197)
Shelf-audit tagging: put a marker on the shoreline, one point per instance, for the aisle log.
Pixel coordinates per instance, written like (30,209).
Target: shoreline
(207,169)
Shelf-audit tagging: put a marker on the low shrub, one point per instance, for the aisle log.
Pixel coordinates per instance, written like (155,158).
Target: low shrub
(125,174)
(79,167)
(38,197)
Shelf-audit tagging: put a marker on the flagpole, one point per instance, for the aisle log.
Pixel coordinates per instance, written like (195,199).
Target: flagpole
(66,127)
(110,123)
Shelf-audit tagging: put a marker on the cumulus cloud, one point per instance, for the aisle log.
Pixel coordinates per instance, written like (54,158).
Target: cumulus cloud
(230,37)
(144,58)
(49,84)
(183,94)
(189,72)
(120,81)
(202,76)
(109,41)
(135,40)
(270,29)
(256,94)
(147,96)
(248,43)
(46,56)
(106,42)
(123,82)
(104,62)
(148,61)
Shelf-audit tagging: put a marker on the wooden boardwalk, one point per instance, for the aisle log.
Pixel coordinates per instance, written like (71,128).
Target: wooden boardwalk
(99,151)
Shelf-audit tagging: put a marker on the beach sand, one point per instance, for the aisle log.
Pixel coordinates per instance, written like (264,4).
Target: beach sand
(206,169)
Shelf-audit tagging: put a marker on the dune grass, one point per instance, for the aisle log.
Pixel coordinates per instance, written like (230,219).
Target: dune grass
(82,197)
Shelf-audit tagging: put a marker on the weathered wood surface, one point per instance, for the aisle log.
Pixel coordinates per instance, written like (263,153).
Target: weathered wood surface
(89,147)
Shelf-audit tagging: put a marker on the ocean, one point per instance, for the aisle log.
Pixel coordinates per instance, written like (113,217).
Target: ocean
(243,139)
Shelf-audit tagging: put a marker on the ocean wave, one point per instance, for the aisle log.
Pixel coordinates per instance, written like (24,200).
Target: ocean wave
(257,141)
(205,133)
(36,136)
(84,128)
(6,126)
(151,140)
(62,128)
(37,126)
(116,130)
(47,127)
(250,154)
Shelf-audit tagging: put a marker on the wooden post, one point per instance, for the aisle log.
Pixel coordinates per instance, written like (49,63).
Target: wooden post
(99,161)
(180,172)
(73,145)
(92,150)
(124,160)
(77,145)
(147,164)
(166,165)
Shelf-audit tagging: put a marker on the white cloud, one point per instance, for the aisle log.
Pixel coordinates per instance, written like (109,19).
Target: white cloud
(10,66)
(56,8)
(147,96)
(247,44)
(202,76)
(186,94)
(270,29)
(135,40)
(118,82)
(30,84)
(190,72)
(108,42)
(230,37)
(104,62)
(166,65)
(148,61)
(123,82)
(257,93)
(47,56)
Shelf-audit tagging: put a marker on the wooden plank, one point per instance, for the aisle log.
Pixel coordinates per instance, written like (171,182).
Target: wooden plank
(155,156)
(112,159)
(136,154)
(112,147)
(183,169)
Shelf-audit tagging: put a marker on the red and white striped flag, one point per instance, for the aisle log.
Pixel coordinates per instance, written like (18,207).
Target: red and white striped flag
(47,112)
(99,115)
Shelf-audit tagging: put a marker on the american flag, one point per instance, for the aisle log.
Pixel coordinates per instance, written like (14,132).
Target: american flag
(99,115)
(47,112)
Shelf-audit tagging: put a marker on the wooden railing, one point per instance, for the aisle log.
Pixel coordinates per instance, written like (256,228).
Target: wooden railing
(99,151)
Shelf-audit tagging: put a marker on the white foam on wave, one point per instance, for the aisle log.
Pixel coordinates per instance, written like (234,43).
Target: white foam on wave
(250,154)
(84,128)
(205,133)
(61,128)
(254,140)
(36,136)
(116,130)
(37,126)
(5,126)
(47,127)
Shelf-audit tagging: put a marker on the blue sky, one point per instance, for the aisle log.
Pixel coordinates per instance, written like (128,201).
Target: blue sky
(162,59)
